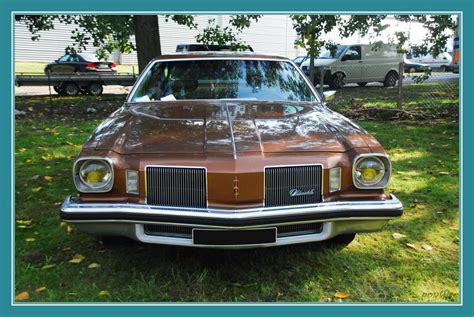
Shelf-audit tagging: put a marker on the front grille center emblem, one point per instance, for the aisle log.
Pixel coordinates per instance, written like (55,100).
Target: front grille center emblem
(295,192)
(236,187)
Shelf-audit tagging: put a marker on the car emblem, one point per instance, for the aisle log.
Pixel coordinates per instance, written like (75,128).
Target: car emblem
(236,187)
(295,192)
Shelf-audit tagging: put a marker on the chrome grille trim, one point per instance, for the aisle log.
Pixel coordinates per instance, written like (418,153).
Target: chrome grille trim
(279,180)
(176,186)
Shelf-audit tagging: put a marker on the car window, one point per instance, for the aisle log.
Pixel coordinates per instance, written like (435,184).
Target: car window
(88,57)
(74,58)
(65,58)
(353,53)
(223,79)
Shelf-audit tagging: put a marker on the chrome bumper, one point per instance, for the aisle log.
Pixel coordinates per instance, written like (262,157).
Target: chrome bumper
(129,219)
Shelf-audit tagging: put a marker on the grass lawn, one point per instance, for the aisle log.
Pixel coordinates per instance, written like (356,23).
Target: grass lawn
(375,267)
(38,67)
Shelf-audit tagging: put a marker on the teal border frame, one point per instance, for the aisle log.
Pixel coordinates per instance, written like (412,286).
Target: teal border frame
(232,309)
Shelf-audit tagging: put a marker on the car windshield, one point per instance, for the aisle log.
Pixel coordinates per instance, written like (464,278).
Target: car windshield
(326,54)
(222,79)
(89,57)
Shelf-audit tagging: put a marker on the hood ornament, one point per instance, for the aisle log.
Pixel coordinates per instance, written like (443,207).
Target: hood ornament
(236,187)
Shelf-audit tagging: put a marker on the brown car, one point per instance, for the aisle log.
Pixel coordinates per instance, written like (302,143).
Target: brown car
(229,150)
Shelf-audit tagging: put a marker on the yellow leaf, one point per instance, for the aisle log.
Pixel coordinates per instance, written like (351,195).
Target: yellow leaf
(36,189)
(24,222)
(104,293)
(22,149)
(29,161)
(411,246)
(22,296)
(77,258)
(48,178)
(72,294)
(40,289)
(93,266)
(445,221)
(30,239)
(70,230)
(69,143)
(62,224)
(24,227)
(397,235)
(48,266)
(66,249)
(427,247)
(30,108)
(341,295)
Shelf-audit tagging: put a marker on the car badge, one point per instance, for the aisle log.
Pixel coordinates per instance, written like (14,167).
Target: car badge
(295,192)
(236,187)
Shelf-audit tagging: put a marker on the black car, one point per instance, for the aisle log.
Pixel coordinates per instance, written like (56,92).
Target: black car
(414,67)
(183,48)
(78,63)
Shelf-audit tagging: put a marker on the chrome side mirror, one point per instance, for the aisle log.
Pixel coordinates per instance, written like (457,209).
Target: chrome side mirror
(329,95)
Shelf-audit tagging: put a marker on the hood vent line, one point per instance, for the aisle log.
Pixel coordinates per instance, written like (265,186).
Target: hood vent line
(234,149)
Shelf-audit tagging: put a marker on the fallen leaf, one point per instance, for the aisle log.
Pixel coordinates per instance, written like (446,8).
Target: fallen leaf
(341,295)
(24,227)
(72,294)
(77,258)
(35,177)
(70,230)
(66,249)
(443,173)
(22,149)
(445,221)
(48,266)
(397,235)
(30,109)
(24,222)
(29,160)
(30,239)
(40,289)
(48,178)
(93,266)
(427,247)
(411,246)
(62,224)
(22,296)
(36,189)
(104,293)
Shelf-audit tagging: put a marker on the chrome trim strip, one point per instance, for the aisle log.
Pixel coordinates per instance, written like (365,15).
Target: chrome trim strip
(283,59)
(70,206)
(377,155)
(232,138)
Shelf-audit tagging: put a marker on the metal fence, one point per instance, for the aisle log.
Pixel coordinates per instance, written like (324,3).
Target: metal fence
(423,91)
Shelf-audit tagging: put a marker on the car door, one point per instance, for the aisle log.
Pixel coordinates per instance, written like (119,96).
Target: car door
(63,65)
(351,64)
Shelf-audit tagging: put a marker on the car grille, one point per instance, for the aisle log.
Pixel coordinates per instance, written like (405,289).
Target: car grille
(186,232)
(293,185)
(176,187)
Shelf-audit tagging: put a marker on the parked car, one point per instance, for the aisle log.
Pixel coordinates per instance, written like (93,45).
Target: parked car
(414,67)
(299,60)
(229,151)
(79,63)
(357,63)
(183,48)
(443,61)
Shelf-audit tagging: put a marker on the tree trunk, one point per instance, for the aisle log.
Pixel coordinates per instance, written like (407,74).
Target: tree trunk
(147,39)
(311,61)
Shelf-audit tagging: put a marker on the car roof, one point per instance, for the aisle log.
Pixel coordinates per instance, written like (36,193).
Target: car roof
(219,54)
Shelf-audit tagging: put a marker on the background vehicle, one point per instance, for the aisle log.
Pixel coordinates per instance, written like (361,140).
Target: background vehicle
(357,63)
(443,61)
(203,48)
(299,60)
(79,63)
(414,67)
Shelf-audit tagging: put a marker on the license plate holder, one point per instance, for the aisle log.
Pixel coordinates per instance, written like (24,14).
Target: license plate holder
(220,237)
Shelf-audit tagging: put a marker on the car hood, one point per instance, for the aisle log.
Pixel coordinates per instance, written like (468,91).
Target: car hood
(227,127)
(320,62)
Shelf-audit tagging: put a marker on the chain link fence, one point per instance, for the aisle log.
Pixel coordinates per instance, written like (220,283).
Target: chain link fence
(374,91)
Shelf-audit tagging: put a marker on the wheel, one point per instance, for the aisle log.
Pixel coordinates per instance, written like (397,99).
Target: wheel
(341,241)
(390,79)
(362,84)
(444,68)
(412,70)
(337,80)
(70,89)
(57,89)
(95,89)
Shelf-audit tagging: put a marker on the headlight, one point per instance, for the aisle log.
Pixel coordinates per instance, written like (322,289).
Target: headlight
(93,175)
(371,171)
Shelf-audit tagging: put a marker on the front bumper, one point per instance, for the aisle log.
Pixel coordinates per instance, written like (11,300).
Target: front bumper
(129,220)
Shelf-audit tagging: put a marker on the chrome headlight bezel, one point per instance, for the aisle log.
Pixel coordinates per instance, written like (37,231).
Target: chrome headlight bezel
(383,182)
(82,186)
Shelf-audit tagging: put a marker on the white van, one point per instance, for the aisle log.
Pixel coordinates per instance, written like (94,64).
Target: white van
(357,63)
(443,61)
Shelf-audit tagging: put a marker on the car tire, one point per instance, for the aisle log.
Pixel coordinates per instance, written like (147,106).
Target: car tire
(95,89)
(70,89)
(391,79)
(337,80)
(58,90)
(363,84)
(412,70)
(444,68)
